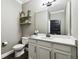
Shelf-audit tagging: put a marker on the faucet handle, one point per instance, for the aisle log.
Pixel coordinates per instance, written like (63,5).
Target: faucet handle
(47,35)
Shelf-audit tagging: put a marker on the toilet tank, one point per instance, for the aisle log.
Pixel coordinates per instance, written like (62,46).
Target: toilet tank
(25,40)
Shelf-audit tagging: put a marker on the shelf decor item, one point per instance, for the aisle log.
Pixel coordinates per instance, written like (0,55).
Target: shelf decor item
(25,19)
(22,14)
(28,13)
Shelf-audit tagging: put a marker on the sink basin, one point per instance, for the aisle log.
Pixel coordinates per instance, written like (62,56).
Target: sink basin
(41,36)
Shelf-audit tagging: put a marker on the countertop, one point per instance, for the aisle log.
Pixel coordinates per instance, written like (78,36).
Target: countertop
(60,39)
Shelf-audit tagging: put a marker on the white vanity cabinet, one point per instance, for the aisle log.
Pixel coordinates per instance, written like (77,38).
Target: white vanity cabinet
(32,51)
(43,52)
(61,55)
(61,51)
(48,50)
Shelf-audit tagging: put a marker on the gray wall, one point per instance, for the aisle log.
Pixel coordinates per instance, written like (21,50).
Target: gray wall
(10,29)
(33,5)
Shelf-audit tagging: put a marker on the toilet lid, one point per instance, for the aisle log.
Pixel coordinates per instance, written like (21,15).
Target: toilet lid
(19,46)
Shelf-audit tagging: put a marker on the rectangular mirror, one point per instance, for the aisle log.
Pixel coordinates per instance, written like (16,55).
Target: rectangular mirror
(54,19)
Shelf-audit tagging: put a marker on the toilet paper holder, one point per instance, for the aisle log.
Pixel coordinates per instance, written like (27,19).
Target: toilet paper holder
(4,43)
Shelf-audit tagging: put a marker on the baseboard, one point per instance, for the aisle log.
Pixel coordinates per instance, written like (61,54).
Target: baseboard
(6,54)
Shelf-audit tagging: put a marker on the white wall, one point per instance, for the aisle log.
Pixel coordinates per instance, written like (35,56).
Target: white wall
(10,29)
(74,17)
(68,18)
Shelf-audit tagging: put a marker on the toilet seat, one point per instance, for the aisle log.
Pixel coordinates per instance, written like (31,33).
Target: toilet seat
(18,47)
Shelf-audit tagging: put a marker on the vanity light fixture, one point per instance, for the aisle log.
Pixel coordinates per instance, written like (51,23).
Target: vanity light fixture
(48,3)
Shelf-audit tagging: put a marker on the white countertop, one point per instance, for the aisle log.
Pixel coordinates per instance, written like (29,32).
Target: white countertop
(62,39)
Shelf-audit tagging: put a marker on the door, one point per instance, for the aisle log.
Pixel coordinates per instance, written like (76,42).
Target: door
(32,51)
(61,55)
(43,52)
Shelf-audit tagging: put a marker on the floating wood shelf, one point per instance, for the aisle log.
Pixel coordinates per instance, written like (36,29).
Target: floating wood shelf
(25,20)
(29,22)
(26,17)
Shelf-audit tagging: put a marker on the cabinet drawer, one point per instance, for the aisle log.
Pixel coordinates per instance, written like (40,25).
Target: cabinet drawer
(62,47)
(42,43)
(32,41)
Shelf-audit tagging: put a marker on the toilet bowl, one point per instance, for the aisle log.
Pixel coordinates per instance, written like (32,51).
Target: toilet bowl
(19,48)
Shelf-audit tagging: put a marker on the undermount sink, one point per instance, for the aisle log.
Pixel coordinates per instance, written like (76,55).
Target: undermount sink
(41,36)
(46,37)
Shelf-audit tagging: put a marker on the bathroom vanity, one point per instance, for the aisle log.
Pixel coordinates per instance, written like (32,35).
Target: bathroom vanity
(54,47)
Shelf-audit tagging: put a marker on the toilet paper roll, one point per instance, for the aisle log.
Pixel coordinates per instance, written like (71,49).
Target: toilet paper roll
(5,43)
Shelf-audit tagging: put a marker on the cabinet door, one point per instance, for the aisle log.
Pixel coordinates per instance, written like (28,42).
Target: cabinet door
(61,55)
(43,53)
(32,51)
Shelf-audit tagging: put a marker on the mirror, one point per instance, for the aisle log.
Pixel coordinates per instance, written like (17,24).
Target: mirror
(54,19)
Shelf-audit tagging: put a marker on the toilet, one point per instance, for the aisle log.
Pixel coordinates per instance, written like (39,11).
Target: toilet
(19,48)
